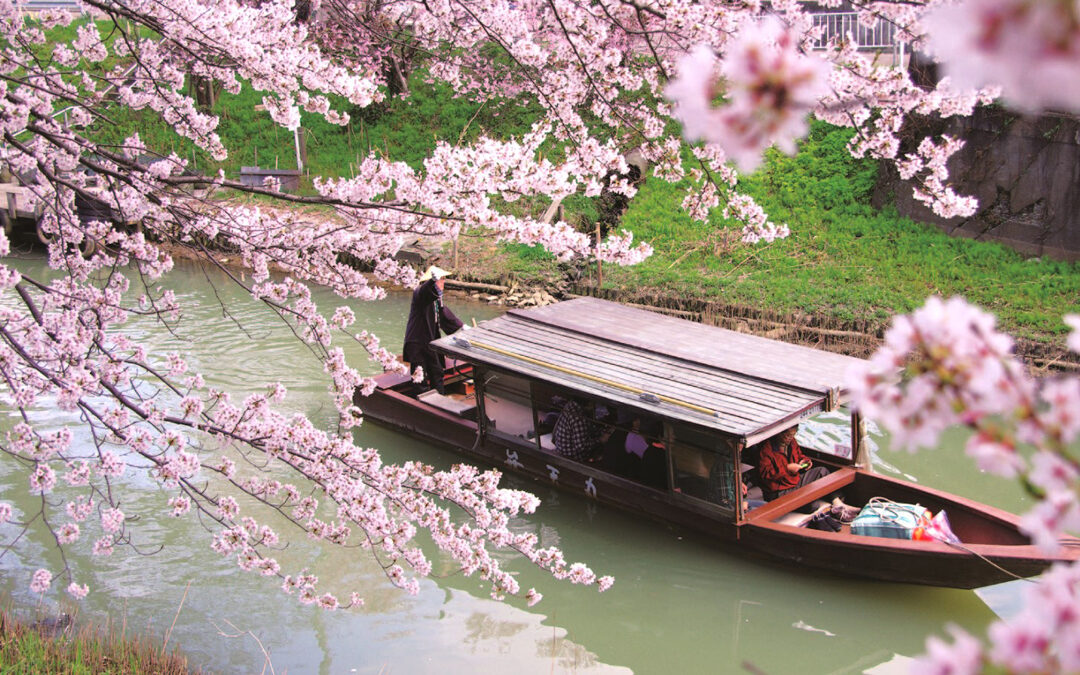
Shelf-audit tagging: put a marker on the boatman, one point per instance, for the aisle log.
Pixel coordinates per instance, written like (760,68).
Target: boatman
(427,314)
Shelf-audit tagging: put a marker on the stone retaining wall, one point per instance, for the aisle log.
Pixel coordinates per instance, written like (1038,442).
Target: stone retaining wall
(1025,172)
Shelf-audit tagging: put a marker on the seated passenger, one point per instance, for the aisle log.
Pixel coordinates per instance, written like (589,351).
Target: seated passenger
(654,465)
(635,444)
(783,467)
(722,485)
(576,436)
(623,452)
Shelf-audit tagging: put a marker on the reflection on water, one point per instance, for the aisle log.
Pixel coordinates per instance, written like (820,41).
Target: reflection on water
(679,604)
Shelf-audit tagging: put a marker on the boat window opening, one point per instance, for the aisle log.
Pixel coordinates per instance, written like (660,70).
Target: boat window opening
(631,443)
(594,425)
(705,466)
(547,402)
(507,405)
(828,433)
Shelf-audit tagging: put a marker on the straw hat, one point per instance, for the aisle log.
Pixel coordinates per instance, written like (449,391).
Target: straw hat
(434,272)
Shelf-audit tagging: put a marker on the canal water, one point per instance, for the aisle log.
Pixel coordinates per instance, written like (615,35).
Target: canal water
(679,604)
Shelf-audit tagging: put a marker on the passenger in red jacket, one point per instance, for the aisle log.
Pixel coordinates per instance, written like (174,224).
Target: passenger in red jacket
(783,466)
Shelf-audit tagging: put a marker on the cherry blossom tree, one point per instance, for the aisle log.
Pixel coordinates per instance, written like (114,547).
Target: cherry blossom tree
(945,365)
(700,88)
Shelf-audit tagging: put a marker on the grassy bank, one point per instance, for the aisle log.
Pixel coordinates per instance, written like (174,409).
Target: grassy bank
(846,265)
(34,649)
(844,259)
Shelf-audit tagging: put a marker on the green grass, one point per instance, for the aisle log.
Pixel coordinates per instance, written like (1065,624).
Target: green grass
(401,129)
(26,651)
(844,259)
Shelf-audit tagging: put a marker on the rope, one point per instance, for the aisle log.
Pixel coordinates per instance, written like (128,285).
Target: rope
(594,378)
(988,561)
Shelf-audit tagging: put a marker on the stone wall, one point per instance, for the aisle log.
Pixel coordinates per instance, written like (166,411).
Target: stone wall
(1025,172)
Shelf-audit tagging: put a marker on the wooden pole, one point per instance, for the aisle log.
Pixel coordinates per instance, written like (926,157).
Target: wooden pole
(860,449)
(599,263)
(476,286)
(296,141)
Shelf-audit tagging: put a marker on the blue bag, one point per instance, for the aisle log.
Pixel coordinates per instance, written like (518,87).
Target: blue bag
(884,518)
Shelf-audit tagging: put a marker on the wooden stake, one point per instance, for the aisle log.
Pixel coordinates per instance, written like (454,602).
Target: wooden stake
(599,263)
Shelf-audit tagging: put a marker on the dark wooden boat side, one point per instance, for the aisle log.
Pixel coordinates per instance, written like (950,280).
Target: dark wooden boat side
(994,549)
(405,413)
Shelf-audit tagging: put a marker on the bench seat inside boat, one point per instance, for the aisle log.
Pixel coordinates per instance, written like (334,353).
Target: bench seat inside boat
(457,404)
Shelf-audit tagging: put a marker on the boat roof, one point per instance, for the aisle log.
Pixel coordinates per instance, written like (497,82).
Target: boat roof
(739,384)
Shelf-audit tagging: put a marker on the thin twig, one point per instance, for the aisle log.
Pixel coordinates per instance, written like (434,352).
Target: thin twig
(168,633)
(267,663)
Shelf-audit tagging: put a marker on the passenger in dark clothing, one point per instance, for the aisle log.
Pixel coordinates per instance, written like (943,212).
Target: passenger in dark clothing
(626,448)
(654,466)
(427,315)
(577,433)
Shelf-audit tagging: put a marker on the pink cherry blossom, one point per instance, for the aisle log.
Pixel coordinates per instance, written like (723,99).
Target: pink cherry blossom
(41,581)
(770,89)
(112,520)
(945,365)
(532,597)
(1029,47)
(1073,321)
(962,657)
(68,533)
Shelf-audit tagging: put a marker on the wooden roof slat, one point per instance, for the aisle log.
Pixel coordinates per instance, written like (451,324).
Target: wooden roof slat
(673,370)
(701,391)
(544,335)
(751,355)
(729,425)
(729,408)
(740,377)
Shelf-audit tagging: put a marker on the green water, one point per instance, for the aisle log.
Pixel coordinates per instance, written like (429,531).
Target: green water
(679,604)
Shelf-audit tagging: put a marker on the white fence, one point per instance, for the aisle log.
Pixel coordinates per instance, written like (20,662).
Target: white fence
(837,25)
(41,5)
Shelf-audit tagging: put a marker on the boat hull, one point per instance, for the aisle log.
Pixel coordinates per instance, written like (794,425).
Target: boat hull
(994,549)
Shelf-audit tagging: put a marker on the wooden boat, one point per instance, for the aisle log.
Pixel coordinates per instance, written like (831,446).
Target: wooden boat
(704,397)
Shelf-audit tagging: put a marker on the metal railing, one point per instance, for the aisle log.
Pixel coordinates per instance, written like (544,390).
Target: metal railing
(42,5)
(838,25)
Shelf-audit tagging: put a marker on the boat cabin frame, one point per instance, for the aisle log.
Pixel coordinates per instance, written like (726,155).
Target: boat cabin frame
(704,394)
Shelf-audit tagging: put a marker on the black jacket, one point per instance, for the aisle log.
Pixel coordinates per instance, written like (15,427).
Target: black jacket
(427,314)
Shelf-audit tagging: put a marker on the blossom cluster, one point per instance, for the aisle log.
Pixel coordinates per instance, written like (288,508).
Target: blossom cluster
(770,88)
(946,365)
